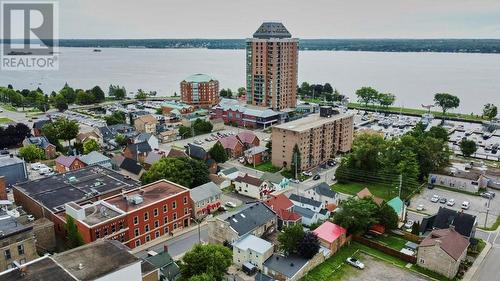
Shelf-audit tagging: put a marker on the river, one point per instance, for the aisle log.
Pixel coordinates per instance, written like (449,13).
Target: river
(413,77)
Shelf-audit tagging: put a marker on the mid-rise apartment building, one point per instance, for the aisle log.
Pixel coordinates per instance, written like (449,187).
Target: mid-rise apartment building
(319,138)
(272,67)
(200,90)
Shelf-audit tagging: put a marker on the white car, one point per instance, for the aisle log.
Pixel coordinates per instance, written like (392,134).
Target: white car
(450,202)
(420,207)
(354,262)
(309,174)
(36,166)
(465,205)
(409,224)
(241,159)
(230,204)
(435,198)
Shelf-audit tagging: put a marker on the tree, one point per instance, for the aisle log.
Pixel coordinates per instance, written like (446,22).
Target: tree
(295,161)
(206,260)
(242,91)
(84,97)
(90,145)
(60,102)
(218,153)
(97,94)
(184,171)
(31,152)
(68,129)
(386,99)
(309,245)
(290,238)
(490,111)
(116,91)
(13,135)
(200,170)
(269,146)
(367,95)
(226,93)
(118,117)
(185,132)
(438,132)
(446,101)
(202,277)
(68,94)
(201,126)
(141,95)
(366,152)
(327,88)
(387,216)
(73,236)
(356,215)
(468,147)
(120,139)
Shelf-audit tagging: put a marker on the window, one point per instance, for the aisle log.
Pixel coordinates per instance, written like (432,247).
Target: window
(105,231)
(157,224)
(165,220)
(137,243)
(97,234)
(175,225)
(174,205)
(136,220)
(20,249)
(422,261)
(175,216)
(185,211)
(120,225)
(165,208)
(157,234)
(7,254)
(146,228)
(136,232)
(113,228)
(165,230)
(146,216)
(155,212)
(185,200)
(148,238)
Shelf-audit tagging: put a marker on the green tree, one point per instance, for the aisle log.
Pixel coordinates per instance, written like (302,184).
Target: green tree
(184,171)
(356,215)
(218,153)
(226,93)
(386,99)
(446,101)
(206,260)
(327,88)
(295,161)
(367,95)
(51,132)
(438,132)
(242,91)
(84,97)
(309,245)
(90,145)
(118,117)
(73,236)
(366,152)
(201,126)
(31,152)
(468,147)
(97,94)
(269,146)
(120,139)
(200,169)
(490,111)
(68,93)
(387,216)
(68,129)
(202,277)
(141,95)
(290,237)
(185,132)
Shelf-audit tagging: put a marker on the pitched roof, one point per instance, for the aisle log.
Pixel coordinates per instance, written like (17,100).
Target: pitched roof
(329,231)
(246,137)
(165,262)
(254,243)
(93,158)
(331,207)
(279,202)
(365,192)
(218,180)
(269,30)
(176,153)
(132,166)
(397,204)
(66,161)
(272,177)
(196,151)
(325,190)
(147,119)
(249,179)
(450,241)
(304,200)
(248,219)
(143,137)
(81,137)
(288,266)
(38,124)
(40,141)
(304,212)
(463,222)
(204,191)
(140,147)
(286,215)
(255,150)
(153,157)
(229,142)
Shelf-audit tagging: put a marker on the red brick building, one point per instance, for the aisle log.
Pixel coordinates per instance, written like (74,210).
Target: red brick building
(249,139)
(68,163)
(135,217)
(200,90)
(233,146)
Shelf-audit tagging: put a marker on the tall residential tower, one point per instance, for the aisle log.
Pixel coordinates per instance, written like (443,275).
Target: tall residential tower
(272,66)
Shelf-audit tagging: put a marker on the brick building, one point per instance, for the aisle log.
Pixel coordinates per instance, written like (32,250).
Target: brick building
(272,67)
(134,217)
(200,90)
(68,163)
(234,113)
(17,242)
(319,138)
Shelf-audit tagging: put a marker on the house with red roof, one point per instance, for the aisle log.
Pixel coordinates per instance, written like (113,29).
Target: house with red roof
(442,251)
(249,139)
(331,236)
(283,207)
(233,146)
(68,163)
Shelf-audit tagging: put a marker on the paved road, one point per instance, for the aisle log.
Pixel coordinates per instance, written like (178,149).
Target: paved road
(488,270)
(180,244)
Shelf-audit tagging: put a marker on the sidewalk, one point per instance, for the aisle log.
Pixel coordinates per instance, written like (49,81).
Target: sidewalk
(473,269)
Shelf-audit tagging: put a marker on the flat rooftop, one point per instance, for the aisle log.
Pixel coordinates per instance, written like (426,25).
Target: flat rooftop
(311,121)
(6,160)
(97,259)
(42,269)
(75,186)
(10,226)
(99,212)
(149,194)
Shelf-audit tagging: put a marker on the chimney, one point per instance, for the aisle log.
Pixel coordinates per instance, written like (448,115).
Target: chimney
(3,188)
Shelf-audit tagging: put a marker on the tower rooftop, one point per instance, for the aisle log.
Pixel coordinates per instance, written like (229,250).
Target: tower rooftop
(272,30)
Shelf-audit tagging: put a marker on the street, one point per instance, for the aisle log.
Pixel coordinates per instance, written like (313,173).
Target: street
(488,269)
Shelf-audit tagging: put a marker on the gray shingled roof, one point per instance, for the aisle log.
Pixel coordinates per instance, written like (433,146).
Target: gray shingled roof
(304,200)
(303,212)
(288,266)
(250,218)
(272,30)
(325,190)
(204,191)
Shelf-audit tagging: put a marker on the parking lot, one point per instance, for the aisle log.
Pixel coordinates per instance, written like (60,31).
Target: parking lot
(477,204)
(377,270)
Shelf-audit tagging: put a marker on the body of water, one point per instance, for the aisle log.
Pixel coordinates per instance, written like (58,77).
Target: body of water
(413,77)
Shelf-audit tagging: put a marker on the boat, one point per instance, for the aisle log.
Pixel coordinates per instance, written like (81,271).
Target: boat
(97,50)
(468,133)
(487,135)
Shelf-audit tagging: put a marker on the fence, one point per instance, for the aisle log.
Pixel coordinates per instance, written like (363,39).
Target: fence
(385,249)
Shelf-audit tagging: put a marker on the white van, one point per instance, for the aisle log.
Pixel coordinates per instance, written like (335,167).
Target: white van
(36,166)
(45,170)
(465,205)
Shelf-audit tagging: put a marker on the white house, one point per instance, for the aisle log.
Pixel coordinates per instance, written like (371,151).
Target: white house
(251,249)
(311,210)
(321,192)
(251,187)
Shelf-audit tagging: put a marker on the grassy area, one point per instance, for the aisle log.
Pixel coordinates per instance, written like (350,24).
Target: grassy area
(313,100)
(8,107)
(289,174)
(480,246)
(378,190)
(265,167)
(5,120)
(391,241)
(493,227)
(437,114)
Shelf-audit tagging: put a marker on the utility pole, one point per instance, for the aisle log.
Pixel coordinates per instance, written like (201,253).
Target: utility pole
(487,211)
(400,184)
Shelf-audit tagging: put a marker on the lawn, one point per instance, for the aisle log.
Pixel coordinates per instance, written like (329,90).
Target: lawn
(391,241)
(5,120)
(288,174)
(378,190)
(493,227)
(8,107)
(265,167)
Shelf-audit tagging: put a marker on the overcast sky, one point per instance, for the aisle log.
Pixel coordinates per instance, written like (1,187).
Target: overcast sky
(104,19)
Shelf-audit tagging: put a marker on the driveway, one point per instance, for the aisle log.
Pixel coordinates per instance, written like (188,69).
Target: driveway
(377,270)
(477,204)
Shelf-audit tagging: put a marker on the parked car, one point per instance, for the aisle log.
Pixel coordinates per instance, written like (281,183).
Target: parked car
(294,180)
(443,200)
(487,195)
(4,151)
(309,174)
(435,198)
(409,224)
(354,262)
(230,204)
(465,205)
(36,166)
(451,202)
(430,186)
(316,177)
(420,207)
(241,159)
